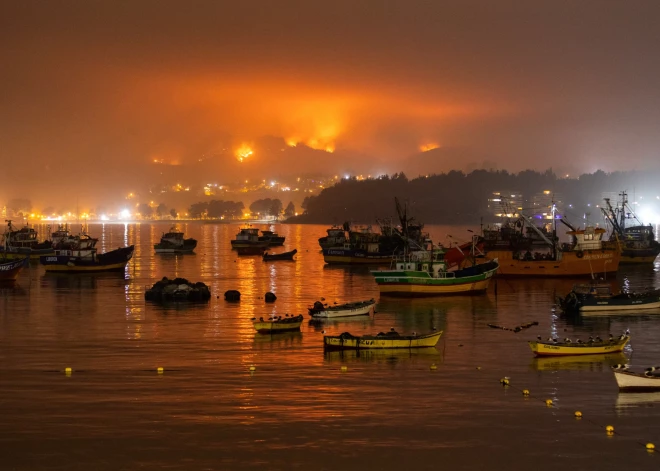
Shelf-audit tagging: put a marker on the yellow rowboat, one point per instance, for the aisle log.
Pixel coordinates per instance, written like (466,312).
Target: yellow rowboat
(611,345)
(390,339)
(277,324)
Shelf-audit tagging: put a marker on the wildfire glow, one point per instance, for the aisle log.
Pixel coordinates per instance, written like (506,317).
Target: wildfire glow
(428,147)
(243,152)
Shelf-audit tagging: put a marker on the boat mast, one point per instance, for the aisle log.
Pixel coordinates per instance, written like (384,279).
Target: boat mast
(554,228)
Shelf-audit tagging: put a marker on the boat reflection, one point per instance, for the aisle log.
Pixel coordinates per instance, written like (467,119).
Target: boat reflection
(579,362)
(79,280)
(384,355)
(277,340)
(627,402)
(319,325)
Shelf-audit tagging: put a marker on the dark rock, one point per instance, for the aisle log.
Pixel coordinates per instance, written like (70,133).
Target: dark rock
(178,289)
(270,297)
(232,295)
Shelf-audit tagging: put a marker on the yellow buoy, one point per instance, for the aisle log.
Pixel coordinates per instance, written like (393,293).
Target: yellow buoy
(160,370)
(578,414)
(504,381)
(68,370)
(253,368)
(548,402)
(344,368)
(525,392)
(609,429)
(478,367)
(650,447)
(433,367)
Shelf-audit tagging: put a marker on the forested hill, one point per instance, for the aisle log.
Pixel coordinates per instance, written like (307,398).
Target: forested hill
(457,198)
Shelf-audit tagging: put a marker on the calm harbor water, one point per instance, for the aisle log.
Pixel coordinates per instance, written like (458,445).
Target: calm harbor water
(298,410)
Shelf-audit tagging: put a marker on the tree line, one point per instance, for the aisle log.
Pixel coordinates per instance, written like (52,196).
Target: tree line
(459,198)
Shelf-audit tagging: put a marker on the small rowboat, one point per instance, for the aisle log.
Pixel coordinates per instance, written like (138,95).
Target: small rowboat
(591,347)
(279,256)
(274,325)
(390,339)
(359,308)
(629,381)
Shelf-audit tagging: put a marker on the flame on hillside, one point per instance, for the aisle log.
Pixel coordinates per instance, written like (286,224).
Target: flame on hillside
(428,147)
(243,152)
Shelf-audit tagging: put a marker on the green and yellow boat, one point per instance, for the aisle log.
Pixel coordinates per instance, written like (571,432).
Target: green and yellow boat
(425,273)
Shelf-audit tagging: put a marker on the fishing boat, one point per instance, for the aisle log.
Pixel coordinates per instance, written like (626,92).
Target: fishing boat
(336,237)
(598,296)
(267,257)
(365,246)
(629,381)
(78,254)
(525,250)
(325,311)
(554,347)
(595,362)
(277,324)
(9,269)
(362,247)
(391,339)
(424,272)
(24,242)
(247,242)
(273,238)
(638,243)
(174,242)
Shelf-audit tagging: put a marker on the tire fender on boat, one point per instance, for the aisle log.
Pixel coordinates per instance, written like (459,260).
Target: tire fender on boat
(579,254)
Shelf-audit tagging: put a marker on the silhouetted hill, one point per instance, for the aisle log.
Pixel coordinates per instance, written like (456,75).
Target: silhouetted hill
(459,198)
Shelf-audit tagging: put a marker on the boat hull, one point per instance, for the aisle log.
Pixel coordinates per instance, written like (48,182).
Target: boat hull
(629,381)
(628,258)
(615,305)
(21,254)
(267,257)
(289,324)
(551,349)
(115,260)
(586,263)
(330,313)
(341,342)
(10,270)
(417,284)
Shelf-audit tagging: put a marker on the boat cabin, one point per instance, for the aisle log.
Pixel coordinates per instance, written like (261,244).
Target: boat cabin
(589,238)
(593,289)
(248,234)
(431,262)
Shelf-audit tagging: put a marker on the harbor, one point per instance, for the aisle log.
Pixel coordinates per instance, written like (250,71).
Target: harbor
(90,345)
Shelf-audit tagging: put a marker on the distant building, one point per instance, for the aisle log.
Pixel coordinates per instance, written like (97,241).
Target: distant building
(505,203)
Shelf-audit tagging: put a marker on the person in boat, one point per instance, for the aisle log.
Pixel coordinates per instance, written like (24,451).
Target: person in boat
(528,256)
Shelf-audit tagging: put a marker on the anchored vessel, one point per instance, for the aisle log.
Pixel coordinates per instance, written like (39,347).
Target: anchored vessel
(21,243)
(277,324)
(359,308)
(279,256)
(629,381)
(174,242)
(78,254)
(567,347)
(390,339)
(638,244)
(598,296)
(523,249)
(424,272)
(247,242)
(273,238)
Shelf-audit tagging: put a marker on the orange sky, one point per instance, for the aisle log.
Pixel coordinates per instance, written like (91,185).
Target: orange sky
(542,84)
